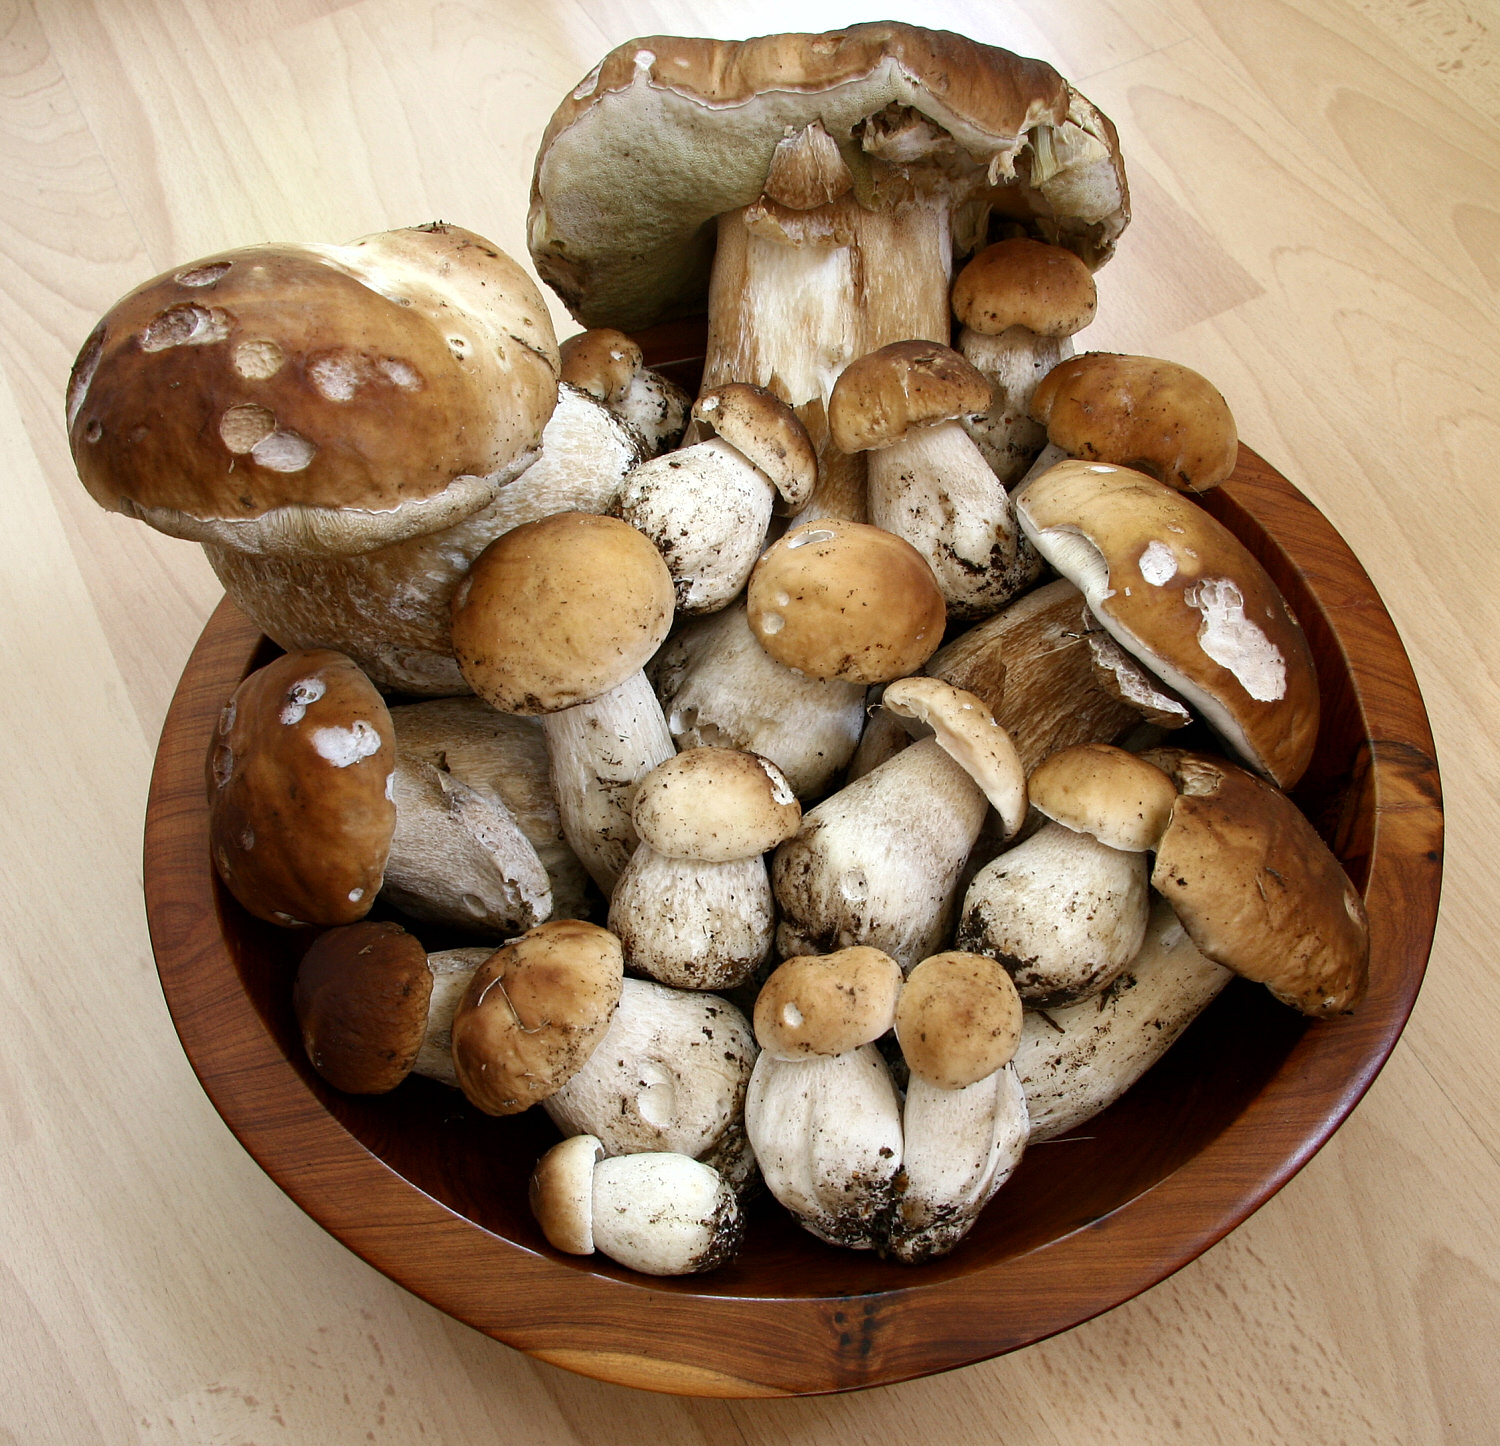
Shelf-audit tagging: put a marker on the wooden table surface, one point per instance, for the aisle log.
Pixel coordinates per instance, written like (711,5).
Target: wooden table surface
(1316,189)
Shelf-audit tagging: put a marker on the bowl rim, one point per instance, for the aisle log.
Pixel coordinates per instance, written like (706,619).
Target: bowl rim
(678,1341)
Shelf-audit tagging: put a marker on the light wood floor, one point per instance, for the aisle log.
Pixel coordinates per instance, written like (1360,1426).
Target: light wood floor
(1317,198)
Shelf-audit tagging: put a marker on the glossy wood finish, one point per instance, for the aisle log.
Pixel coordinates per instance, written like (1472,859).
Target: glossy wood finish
(433,1193)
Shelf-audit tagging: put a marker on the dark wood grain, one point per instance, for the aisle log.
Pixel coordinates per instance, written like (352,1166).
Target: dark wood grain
(433,1194)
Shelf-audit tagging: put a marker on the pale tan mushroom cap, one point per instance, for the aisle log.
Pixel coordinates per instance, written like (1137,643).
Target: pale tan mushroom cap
(757,423)
(667,133)
(1095,788)
(1139,411)
(968,732)
(299,787)
(958,1019)
(1021,282)
(837,599)
(533,1013)
(888,394)
(1256,888)
(1178,590)
(602,363)
(562,1193)
(559,611)
(827,1004)
(323,399)
(715,805)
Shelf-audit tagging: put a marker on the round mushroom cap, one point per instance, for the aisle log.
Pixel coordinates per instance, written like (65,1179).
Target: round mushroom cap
(825,1004)
(958,1019)
(757,423)
(300,775)
(559,611)
(1095,788)
(715,805)
(316,399)
(602,363)
(361,999)
(561,1193)
(1175,588)
(885,395)
(1021,282)
(667,132)
(836,599)
(533,1013)
(1139,411)
(1256,888)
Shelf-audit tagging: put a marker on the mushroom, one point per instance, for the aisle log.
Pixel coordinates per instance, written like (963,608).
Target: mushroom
(827,1004)
(844,171)
(1120,799)
(557,618)
(928,482)
(608,365)
(660,1214)
(693,907)
(1019,302)
(669,1074)
(1181,593)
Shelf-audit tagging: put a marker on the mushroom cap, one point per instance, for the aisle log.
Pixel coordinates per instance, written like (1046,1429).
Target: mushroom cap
(533,1013)
(1139,411)
(1256,888)
(827,1003)
(715,805)
(667,132)
(1021,282)
(837,599)
(759,424)
(299,786)
(968,732)
(1095,788)
(887,394)
(1177,589)
(602,362)
(559,611)
(361,998)
(958,1019)
(316,399)
(561,1193)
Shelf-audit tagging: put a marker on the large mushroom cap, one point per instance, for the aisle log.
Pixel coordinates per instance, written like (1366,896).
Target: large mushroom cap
(1021,282)
(299,783)
(886,394)
(667,133)
(1256,888)
(715,805)
(559,611)
(323,399)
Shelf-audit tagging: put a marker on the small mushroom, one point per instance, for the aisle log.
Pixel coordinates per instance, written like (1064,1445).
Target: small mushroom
(608,365)
(1117,797)
(827,1004)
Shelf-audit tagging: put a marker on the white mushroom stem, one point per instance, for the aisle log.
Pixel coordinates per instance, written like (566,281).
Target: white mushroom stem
(1075,1062)
(1013,363)
(1045,461)
(827,1134)
(664,1214)
(598,752)
(656,407)
(960,1147)
(451,971)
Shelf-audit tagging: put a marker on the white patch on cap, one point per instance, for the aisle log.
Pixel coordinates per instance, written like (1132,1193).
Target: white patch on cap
(585,87)
(336,377)
(1158,564)
(283,452)
(299,695)
(1236,643)
(645,59)
(185,325)
(242,428)
(202,275)
(390,786)
(401,373)
(258,359)
(804,539)
(343,746)
(355,895)
(781,790)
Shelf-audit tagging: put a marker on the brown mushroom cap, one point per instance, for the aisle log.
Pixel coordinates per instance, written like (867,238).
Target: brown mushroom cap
(1021,282)
(1256,888)
(533,1013)
(760,425)
(602,363)
(562,1193)
(361,1000)
(1117,797)
(1139,411)
(715,805)
(827,1004)
(289,398)
(299,785)
(837,599)
(559,611)
(1178,590)
(958,1019)
(887,394)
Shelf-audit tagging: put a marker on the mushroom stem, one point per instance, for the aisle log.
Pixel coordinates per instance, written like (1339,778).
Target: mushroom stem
(451,971)
(1013,363)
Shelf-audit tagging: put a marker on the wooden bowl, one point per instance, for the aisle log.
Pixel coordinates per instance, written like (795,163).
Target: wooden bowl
(433,1193)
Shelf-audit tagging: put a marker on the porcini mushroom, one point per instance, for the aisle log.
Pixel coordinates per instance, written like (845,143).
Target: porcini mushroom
(827,1004)
(609,366)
